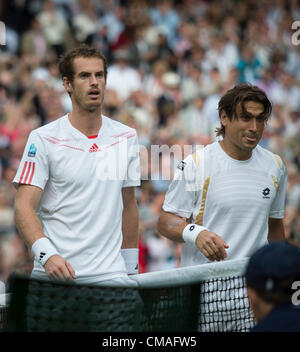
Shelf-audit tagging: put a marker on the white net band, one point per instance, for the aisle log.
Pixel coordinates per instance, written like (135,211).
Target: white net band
(192,274)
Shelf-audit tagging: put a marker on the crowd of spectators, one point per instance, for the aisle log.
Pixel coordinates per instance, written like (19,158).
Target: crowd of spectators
(169,63)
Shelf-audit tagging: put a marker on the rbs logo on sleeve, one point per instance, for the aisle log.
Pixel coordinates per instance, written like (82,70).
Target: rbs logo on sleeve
(32,151)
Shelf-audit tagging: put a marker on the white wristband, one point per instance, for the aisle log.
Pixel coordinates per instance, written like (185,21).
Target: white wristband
(43,249)
(131,258)
(191,232)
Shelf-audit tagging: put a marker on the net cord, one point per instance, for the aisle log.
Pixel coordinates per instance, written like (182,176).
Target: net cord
(192,274)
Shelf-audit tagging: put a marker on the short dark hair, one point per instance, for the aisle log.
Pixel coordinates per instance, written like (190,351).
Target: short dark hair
(65,64)
(238,95)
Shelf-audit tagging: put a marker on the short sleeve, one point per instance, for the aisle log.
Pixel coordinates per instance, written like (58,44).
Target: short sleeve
(133,175)
(34,167)
(180,197)
(278,205)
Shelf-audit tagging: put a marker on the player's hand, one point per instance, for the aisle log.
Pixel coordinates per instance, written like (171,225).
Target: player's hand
(211,245)
(57,268)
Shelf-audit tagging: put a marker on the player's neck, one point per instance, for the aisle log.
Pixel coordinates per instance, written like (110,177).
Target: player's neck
(87,122)
(235,152)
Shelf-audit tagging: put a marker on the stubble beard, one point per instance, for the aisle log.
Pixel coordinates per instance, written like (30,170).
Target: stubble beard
(92,107)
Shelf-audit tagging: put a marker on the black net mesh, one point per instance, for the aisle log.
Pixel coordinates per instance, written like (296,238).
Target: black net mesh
(45,306)
(213,305)
(171,309)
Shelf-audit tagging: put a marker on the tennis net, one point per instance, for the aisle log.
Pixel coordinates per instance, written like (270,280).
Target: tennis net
(204,298)
(223,302)
(39,306)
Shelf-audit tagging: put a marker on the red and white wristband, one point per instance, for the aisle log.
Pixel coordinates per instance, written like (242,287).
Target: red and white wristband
(131,258)
(191,232)
(43,249)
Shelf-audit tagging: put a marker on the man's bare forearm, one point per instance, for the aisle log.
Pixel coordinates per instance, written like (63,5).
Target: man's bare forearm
(276,230)
(209,243)
(26,220)
(171,226)
(31,230)
(130,228)
(130,220)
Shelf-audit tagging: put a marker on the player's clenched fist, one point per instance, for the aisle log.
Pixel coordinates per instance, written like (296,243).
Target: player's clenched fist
(57,268)
(211,245)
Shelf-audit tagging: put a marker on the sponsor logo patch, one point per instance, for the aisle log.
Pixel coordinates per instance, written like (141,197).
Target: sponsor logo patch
(266,193)
(32,151)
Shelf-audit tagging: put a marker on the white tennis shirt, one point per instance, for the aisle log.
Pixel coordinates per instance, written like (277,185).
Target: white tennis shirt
(81,205)
(232,198)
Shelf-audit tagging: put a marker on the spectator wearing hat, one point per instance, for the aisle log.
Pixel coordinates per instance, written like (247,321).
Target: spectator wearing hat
(273,277)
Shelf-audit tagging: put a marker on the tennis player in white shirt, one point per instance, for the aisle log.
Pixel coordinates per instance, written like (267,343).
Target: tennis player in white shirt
(80,221)
(228,199)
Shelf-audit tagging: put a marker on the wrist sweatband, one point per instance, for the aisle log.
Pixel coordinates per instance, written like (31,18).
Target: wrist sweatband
(131,257)
(191,232)
(43,249)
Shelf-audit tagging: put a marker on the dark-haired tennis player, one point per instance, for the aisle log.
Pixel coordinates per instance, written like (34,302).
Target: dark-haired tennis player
(228,199)
(89,223)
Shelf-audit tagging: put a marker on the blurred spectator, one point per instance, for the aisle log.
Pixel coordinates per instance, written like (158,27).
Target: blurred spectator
(85,22)
(192,82)
(163,51)
(166,19)
(153,85)
(170,100)
(122,78)
(210,111)
(197,127)
(100,39)
(248,65)
(293,61)
(266,81)
(33,41)
(114,22)
(292,204)
(142,112)
(11,246)
(54,26)
(222,54)
(187,36)
(286,91)
(292,124)
(140,48)
(170,62)
(161,253)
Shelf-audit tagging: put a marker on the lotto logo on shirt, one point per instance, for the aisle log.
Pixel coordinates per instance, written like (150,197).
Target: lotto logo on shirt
(32,151)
